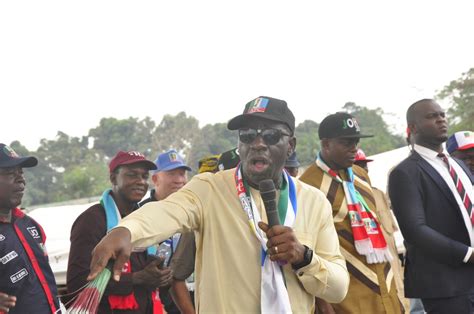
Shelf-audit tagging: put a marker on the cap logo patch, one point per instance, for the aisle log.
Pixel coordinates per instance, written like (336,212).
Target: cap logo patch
(468,134)
(173,157)
(137,154)
(258,105)
(10,152)
(351,123)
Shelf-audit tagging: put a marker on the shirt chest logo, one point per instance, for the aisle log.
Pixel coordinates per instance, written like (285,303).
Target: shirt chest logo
(19,275)
(34,232)
(8,257)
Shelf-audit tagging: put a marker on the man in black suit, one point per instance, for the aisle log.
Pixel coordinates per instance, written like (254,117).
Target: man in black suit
(435,218)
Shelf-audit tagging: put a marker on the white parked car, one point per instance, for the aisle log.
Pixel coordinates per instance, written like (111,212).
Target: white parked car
(57,222)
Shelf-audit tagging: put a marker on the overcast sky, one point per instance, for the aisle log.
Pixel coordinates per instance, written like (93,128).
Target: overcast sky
(66,64)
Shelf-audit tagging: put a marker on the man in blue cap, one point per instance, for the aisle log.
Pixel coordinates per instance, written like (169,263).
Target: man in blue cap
(169,177)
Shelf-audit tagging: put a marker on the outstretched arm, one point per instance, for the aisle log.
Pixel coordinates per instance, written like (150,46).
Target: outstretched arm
(115,245)
(150,224)
(86,233)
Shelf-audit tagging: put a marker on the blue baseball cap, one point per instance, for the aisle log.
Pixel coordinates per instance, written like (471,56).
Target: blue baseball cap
(170,160)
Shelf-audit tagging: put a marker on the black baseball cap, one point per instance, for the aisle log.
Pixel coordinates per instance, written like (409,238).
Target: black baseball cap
(265,108)
(229,159)
(340,124)
(9,158)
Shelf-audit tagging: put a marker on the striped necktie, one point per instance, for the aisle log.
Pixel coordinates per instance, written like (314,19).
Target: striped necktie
(459,187)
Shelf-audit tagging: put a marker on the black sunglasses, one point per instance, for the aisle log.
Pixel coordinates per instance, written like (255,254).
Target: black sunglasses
(270,136)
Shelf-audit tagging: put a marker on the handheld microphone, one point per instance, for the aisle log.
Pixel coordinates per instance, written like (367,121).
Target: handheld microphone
(268,194)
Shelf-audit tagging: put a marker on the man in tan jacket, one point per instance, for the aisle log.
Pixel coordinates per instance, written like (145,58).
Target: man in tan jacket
(348,189)
(242,264)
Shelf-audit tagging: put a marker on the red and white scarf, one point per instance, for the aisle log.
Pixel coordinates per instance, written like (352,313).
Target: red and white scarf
(368,237)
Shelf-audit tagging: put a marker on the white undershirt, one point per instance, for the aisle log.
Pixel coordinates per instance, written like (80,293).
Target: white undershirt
(440,166)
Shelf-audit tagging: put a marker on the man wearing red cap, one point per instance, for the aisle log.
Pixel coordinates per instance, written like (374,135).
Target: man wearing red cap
(361,160)
(135,292)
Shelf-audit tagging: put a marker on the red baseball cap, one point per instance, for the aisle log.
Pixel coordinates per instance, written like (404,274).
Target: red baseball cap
(360,156)
(128,158)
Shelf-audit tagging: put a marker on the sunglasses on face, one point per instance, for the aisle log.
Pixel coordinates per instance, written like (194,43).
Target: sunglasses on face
(269,136)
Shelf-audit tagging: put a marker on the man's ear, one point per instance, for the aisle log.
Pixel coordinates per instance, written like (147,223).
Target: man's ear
(290,151)
(113,177)
(324,143)
(292,144)
(154,178)
(412,128)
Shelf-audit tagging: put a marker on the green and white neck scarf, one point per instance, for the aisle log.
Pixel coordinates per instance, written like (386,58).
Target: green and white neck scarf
(274,295)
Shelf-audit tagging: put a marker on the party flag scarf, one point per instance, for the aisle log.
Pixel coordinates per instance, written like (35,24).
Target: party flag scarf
(368,237)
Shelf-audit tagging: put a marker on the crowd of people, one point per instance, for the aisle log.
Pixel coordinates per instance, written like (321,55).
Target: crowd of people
(211,245)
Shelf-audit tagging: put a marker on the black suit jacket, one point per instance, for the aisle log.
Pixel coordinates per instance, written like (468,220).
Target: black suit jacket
(435,234)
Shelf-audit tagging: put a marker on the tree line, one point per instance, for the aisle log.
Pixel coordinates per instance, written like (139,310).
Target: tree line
(77,167)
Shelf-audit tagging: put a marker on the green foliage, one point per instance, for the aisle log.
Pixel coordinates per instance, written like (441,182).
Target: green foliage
(129,134)
(76,167)
(175,132)
(213,139)
(85,180)
(218,138)
(307,142)
(64,151)
(460,94)
(371,122)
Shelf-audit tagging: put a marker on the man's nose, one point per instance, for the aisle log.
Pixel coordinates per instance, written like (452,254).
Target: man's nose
(143,180)
(442,118)
(354,146)
(19,176)
(181,179)
(258,141)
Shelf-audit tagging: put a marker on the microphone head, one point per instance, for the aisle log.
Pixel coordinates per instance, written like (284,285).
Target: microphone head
(267,190)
